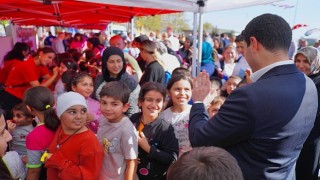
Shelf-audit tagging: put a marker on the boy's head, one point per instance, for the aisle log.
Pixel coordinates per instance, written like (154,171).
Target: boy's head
(21,116)
(114,98)
(232,83)
(205,163)
(116,90)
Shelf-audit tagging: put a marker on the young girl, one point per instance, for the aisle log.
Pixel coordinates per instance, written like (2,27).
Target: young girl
(40,138)
(82,83)
(66,63)
(75,152)
(177,113)
(19,127)
(158,146)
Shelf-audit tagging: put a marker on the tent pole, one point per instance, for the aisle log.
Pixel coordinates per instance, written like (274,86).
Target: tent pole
(194,46)
(200,40)
(14,33)
(132,29)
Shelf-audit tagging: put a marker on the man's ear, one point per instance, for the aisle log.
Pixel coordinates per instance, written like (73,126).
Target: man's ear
(29,109)
(125,107)
(254,43)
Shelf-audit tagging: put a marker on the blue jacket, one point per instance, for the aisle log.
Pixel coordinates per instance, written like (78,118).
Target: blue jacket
(263,124)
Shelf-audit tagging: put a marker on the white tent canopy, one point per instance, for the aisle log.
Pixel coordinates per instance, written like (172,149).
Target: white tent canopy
(198,7)
(186,5)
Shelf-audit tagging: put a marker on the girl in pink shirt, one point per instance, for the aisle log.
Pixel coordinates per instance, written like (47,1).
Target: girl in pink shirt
(39,102)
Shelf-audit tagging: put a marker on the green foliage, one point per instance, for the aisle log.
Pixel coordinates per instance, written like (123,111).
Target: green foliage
(5,22)
(159,23)
(207,27)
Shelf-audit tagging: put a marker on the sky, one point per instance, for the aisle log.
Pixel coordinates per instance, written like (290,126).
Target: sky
(302,12)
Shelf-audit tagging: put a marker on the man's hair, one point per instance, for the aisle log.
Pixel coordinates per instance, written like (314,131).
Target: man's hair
(272,31)
(209,163)
(239,38)
(116,90)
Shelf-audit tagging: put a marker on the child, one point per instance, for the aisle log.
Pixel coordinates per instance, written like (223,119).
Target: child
(215,105)
(82,83)
(38,140)
(206,163)
(117,134)
(214,90)
(177,113)
(75,152)
(19,128)
(158,146)
(231,85)
(11,163)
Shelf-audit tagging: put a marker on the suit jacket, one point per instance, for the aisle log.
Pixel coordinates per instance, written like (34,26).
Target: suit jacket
(263,124)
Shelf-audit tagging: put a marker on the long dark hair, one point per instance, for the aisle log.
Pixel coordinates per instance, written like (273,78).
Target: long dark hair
(41,99)
(16,52)
(173,80)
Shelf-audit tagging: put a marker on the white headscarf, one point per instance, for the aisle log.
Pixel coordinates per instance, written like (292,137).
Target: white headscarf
(313,56)
(66,100)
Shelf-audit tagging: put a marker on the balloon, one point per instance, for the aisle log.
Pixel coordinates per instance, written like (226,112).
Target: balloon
(298,26)
(311,31)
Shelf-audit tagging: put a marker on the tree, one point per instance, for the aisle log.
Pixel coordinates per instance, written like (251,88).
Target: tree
(176,22)
(207,27)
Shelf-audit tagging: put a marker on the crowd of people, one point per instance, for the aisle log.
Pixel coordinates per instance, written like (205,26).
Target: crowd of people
(129,109)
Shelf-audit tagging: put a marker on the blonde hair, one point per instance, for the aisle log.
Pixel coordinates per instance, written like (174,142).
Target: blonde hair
(151,48)
(219,100)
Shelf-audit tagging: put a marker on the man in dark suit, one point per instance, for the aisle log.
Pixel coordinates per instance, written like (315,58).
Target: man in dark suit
(263,124)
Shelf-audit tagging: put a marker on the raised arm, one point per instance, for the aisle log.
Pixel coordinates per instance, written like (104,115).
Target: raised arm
(232,124)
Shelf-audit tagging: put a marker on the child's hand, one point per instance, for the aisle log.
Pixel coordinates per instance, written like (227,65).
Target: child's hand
(47,157)
(55,71)
(248,74)
(11,125)
(138,160)
(143,142)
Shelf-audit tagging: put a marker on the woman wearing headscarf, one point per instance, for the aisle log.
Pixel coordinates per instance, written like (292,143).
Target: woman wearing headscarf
(114,69)
(206,60)
(307,61)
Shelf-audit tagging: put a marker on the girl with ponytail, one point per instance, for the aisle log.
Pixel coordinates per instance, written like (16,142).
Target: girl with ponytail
(39,102)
